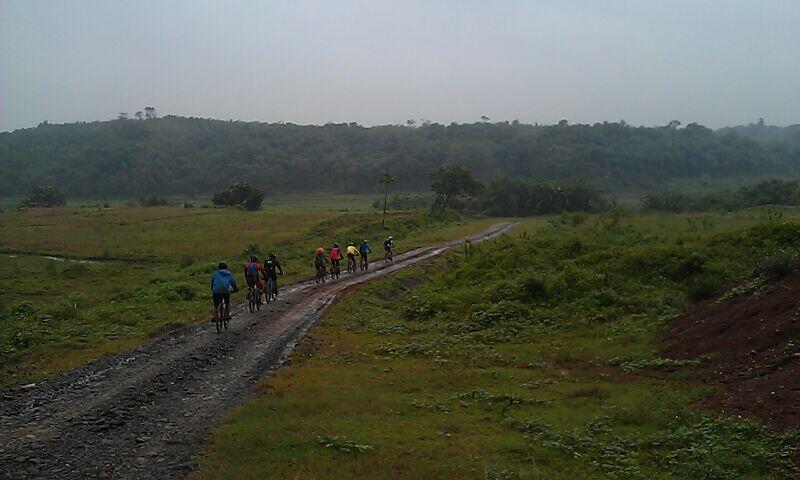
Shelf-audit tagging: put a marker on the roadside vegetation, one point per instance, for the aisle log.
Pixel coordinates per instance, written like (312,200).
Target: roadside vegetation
(119,274)
(535,356)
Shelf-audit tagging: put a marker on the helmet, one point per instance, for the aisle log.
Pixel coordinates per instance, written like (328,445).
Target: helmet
(364,241)
(320,250)
(253,258)
(351,244)
(390,238)
(335,244)
(222,266)
(272,256)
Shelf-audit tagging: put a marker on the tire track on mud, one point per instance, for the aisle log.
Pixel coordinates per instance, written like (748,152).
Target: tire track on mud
(146,413)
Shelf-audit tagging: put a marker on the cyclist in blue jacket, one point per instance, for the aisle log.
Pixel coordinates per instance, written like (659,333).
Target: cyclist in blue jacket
(365,250)
(221,284)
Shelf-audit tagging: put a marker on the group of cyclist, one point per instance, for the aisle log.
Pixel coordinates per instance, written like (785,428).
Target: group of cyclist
(260,275)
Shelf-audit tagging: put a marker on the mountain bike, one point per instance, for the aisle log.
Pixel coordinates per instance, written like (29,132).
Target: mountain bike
(351,264)
(389,257)
(222,315)
(254,298)
(363,264)
(320,276)
(335,270)
(272,290)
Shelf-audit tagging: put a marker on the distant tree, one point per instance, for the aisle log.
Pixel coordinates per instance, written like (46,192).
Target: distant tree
(453,181)
(122,116)
(674,124)
(254,200)
(411,122)
(149,112)
(153,201)
(386,179)
(139,115)
(240,193)
(47,196)
(484,118)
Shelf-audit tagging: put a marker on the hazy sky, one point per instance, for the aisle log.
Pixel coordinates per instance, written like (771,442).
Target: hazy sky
(715,62)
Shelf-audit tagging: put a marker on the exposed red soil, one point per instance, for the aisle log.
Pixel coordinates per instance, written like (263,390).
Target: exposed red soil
(752,340)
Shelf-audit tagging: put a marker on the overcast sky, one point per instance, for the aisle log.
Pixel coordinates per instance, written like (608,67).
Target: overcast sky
(719,62)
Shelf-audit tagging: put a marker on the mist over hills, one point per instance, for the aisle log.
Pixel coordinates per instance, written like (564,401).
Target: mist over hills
(178,155)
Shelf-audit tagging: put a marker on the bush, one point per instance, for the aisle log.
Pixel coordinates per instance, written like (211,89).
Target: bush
(45,197)
(153,201)
(778,264)
(239,194)
(702,286)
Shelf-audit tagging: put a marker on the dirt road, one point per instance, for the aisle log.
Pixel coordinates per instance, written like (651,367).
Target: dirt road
(147,412)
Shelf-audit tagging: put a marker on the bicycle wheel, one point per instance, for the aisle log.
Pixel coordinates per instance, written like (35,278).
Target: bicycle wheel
(258,299)
(220,311)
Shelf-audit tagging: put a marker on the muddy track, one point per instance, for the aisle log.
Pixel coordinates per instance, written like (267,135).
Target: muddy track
(146,413)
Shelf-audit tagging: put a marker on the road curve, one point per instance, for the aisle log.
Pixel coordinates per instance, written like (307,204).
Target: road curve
(146,413)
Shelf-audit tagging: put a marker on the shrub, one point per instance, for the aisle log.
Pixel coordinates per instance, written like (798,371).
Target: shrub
(45,197)
(239,194)
(153,201)
(702,286)
(778,264)
(689,266)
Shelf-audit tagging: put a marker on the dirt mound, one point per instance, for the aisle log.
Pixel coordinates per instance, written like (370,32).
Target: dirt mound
(752,341)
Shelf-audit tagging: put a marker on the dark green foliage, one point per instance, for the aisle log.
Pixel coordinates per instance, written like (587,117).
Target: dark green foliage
(45,197)
(404,202)
(240,193)
(778,264)
(510,197)
(702,286)
(452,182)
(153,201)
(174,155)
(767,192)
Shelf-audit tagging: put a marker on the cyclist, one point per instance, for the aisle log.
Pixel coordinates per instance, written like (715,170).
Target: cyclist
(365,250)
(335,255)
(388,245)
(352,252)
(253,272)
(273,267)
(222,282)
(320,261)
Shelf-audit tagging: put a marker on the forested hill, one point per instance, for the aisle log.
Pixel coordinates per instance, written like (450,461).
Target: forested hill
(788,137)
(175,155)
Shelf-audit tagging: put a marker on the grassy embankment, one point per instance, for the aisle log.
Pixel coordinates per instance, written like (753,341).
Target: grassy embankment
(535,357)
(152,269)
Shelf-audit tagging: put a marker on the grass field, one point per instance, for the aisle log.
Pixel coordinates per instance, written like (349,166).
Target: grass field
(535,357)
(132,271)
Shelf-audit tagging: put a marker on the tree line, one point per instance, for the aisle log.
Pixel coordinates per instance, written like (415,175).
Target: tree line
(191,156)
(766,192)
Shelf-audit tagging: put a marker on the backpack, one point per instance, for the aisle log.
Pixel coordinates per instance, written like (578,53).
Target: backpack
(252,270)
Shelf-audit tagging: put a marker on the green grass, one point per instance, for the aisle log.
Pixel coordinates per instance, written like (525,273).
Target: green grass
(534,357)
(152,269)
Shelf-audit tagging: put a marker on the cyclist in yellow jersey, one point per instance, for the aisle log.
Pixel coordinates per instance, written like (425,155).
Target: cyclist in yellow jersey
(352,253)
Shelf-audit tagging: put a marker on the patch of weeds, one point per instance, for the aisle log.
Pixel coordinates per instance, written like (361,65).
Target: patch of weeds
(651,363)
(538,383)
(496,473)
(753,287)
(342,444)
(778,264)
(438,407)
(702,286)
